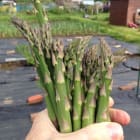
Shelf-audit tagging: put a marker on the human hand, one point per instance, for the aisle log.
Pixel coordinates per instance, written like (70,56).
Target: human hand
(43,129)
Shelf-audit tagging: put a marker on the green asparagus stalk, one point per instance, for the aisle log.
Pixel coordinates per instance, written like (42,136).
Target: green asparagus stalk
(62,100)
(89,65)
(88,116)
(102,113)
(47,83)
(90,75)
(106,74)
(45,34)
(77,92)
(77,97)
(40,13)
(33,37)
(45,42)
(69,61)
(44,75)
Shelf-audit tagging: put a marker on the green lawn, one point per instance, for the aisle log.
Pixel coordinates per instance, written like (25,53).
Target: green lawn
(67,24)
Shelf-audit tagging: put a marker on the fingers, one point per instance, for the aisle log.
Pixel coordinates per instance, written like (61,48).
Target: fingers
(111,102)
(42,127)
(33,116)
(42,117)
(99,131)
(107,131)
(120,116)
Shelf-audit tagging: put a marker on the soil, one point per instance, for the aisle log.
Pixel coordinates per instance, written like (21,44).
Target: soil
(16,85)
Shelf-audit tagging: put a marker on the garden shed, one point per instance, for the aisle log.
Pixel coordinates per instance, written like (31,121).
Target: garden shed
(123,12)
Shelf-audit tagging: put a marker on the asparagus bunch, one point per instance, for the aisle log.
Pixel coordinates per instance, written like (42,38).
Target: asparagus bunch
(77,78)
(73,62)
(97,73)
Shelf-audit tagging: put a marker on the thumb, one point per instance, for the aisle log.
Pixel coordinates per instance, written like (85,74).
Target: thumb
(105,130)
(98,131)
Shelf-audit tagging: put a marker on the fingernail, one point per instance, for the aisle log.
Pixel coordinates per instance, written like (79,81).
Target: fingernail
(116,131)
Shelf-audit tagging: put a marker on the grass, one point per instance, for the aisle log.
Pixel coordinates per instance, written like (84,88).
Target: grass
(7,29)
(76,25)
(67,24)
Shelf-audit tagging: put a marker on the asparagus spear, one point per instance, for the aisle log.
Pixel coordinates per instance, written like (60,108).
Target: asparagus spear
(89,105)
(40,13)
(32,36)
(91,85)
(45,41)
(61,90)
(45,34)
(105,75)
(77,93)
